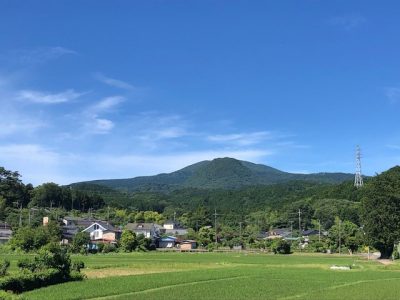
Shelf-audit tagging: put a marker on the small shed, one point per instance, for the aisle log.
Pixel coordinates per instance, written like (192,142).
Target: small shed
(188,245)
(167,242)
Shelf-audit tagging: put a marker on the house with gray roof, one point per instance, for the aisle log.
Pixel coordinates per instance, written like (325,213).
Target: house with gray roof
(149,230)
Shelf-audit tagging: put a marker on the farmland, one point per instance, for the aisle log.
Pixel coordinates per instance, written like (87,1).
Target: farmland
(226,276)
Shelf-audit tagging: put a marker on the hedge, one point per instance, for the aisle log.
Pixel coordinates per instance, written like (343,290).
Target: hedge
(26,281)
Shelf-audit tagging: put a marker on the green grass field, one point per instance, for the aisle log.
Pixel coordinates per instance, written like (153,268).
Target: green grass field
(226,276)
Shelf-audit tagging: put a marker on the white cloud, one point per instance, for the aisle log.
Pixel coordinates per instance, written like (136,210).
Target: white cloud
(35,163)
(10,125)
(114,82)
(241,139)
(41,54)
(348,22)
(393,94)
(48,98)
(102,125)
(106,104)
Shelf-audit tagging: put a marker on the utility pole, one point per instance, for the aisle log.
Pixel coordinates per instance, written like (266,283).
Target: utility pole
(215,224)
(174,216)
(240,224)
(291,229)
(319,230)
(20,216)
(108,214)
(299,222)
(340,237)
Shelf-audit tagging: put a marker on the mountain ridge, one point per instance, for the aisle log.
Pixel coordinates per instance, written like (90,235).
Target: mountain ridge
(220,173)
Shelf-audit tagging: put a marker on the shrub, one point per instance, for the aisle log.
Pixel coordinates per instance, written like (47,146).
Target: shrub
(26,281)
(109,248)
(281,247)
(4,265)
(7,296)
(78,265)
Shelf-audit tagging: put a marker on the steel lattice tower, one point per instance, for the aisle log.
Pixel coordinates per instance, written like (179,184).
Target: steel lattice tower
(358,181)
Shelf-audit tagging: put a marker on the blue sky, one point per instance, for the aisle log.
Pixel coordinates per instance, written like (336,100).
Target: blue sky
(118,89)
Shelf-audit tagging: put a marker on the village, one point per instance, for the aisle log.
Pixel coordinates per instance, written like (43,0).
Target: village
(167,236)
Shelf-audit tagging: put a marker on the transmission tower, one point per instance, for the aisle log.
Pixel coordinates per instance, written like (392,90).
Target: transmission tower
(358,181)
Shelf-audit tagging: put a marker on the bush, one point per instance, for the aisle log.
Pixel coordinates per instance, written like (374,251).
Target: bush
(281,247)
(7,296)
(4,265)
(26,281)
(78,265)
(109,248)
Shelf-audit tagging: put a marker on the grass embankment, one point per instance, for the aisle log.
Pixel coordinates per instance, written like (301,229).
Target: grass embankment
(227,276)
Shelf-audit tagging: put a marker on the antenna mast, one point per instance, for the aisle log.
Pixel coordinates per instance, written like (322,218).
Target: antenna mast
(358,181)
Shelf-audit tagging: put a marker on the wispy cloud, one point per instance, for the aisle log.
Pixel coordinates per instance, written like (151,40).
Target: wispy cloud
(41,54)
(113,82)
(100,126)
(393,94)
(394,147)
(14,124)
(241,139)
(153,127)
(106,104)
(348,22)
(48,98)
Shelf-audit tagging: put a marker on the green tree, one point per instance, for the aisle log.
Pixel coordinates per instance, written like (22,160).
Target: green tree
(80,241)
(47,195)
(128,241)
(347,234)
(281,246)
(206,235)
(380,211)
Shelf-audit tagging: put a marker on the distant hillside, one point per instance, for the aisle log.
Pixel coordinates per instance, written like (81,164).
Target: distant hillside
(220,173)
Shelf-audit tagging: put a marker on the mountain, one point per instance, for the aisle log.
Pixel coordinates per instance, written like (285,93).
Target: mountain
(220,173)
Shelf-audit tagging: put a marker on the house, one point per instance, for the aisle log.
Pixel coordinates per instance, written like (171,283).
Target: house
(174,228)
(310,232)
(167,242)
(279,233)
(5,233)
(149,230)
(188,245)
(101,231)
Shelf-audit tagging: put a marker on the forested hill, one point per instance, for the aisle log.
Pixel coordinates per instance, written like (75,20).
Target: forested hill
(220,173)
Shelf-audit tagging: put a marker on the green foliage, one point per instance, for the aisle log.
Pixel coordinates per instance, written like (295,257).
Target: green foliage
(128,241)
(281,246)
(28,281)
(80,242)
(8,295)
(78,265)
(108,248)
(31,239)
(206,236)
(380,211)
(51,265)
(51,257)
(4,265)
(347,233)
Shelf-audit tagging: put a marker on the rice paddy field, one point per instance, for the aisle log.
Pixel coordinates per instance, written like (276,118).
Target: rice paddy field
(226,276)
